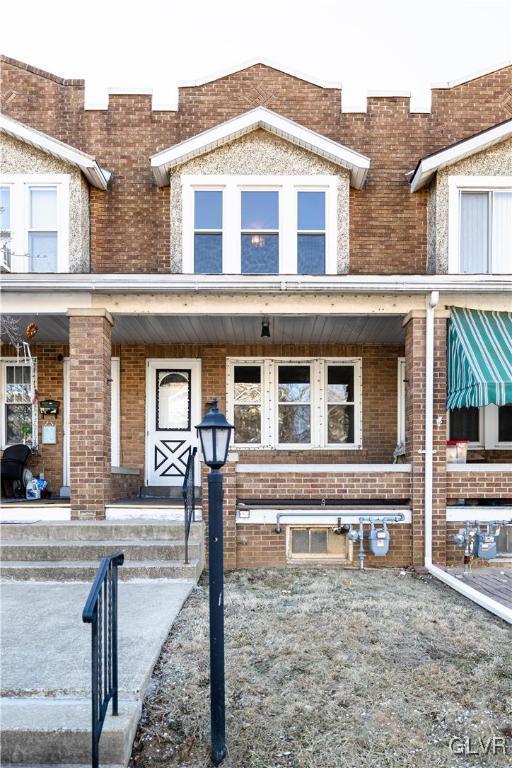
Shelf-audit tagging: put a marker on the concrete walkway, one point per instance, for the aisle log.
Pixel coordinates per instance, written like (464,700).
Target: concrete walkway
(45,673)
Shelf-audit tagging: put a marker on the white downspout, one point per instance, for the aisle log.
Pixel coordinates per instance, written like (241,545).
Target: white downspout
(429,417)
(498,609)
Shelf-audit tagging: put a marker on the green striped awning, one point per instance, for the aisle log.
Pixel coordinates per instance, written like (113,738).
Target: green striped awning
(479,358)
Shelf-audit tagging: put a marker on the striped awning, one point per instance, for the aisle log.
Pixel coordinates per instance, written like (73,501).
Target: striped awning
(479,358)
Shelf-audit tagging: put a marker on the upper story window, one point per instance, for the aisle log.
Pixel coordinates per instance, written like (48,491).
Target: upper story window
(35,222)
(259,225)
(480,224)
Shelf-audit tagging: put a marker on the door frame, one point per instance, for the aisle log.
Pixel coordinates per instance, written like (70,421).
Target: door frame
(194,363)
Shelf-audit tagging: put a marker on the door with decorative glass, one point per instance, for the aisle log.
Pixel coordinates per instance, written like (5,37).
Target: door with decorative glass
(173,408)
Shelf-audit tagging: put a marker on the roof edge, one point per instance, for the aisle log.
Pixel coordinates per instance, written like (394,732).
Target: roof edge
(472,76)
(232,70)
(42,72)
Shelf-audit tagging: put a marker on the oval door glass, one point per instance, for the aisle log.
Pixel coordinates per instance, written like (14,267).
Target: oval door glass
(173,400)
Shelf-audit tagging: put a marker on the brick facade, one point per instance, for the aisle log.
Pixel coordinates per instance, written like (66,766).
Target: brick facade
(90,352)
(387,223)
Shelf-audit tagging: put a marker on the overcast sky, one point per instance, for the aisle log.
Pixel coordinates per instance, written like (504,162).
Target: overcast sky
(153,44)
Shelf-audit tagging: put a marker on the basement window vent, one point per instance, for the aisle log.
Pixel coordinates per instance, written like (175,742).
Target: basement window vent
(317,544)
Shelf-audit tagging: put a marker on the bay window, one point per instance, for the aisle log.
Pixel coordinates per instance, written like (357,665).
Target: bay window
(260,224)
(294,403)
(480,224)
(34,212)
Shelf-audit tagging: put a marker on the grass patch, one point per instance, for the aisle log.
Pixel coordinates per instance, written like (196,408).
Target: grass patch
(333,669)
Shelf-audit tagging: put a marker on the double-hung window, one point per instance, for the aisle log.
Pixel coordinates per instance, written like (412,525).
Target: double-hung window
(294,403)
(34,214)
(18,420)
(260,225)
(480,224)
(489,427)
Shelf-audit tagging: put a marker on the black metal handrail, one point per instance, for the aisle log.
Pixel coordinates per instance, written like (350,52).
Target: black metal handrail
(101,612)
(188,491)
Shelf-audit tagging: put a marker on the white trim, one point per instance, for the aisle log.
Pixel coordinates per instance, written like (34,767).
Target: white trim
(270,406)
(162,162)
(479,468)
(267,516)
(288,188)
(430,165)
(30,513)
(488,430)
(400,401)
(482,514)
(179,283)
(457,184)
(20,185)
(473,75)
(232,70)
(115,420)
(66,437)
(324,468)
(97,176)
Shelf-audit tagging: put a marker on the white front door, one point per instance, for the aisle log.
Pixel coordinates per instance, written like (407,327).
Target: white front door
(173,408)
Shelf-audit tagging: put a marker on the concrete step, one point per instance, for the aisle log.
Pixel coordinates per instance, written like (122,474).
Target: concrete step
(81,570)
(58,551)
(51,731)
(100,530)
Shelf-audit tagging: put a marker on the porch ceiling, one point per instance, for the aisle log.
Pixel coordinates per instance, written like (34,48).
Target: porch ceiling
(223,329)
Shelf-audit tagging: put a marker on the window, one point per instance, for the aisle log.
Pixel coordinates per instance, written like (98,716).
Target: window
(208,231)
(260,224)
(310,233)
(35,222)
(317,544)
(488,428)
(480,226)
(247,404)
(5,226)
(19,413)
(294,403)
(260,232)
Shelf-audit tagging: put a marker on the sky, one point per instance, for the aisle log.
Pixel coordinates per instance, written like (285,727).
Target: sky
(154,44)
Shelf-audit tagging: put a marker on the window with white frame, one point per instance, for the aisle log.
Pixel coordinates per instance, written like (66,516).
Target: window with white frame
(259,224)
(34,213)
(293,403)
(488,428)
(18,421)
(480,224)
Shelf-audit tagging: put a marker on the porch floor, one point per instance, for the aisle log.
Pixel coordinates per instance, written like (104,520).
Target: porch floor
(493,582)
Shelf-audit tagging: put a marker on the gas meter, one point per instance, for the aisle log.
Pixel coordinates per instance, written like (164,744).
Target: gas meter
(486,544)
(379,540)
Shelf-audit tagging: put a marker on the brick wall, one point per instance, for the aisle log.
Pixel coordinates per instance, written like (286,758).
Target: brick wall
(485,485)
(314,485)
(125,486)
(130,225)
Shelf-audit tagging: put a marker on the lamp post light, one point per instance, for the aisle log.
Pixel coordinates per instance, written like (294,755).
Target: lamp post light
(215,433)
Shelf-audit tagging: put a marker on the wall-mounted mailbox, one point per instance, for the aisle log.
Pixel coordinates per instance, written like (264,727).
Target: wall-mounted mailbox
(49,407)
(49,434)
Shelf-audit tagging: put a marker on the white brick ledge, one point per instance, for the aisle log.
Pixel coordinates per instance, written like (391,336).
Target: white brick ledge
(479,468)
(332,468)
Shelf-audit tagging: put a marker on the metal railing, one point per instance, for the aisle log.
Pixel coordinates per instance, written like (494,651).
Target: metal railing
(188,491)
(101,612)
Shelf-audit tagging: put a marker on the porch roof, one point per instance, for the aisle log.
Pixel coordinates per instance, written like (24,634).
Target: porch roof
(479,358)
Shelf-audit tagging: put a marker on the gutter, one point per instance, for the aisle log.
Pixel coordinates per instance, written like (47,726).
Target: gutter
(181,283)
(498,609)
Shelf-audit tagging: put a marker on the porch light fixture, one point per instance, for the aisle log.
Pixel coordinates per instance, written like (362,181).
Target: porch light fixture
(214,433)
(265,329)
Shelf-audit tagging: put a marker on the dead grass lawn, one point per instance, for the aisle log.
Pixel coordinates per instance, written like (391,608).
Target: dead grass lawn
(333,669)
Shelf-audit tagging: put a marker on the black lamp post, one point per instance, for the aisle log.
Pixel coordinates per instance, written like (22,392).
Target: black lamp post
(214,433)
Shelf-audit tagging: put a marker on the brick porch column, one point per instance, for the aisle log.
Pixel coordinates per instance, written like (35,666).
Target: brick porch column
(229,509)
(415,324)
(90,352)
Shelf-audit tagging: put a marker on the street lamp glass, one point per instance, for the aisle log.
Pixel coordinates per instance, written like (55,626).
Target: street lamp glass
(214,432)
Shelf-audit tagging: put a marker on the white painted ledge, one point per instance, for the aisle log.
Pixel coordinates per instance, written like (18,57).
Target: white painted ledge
(269,516)
(125,471)
(331,468)
(479,468)
(483,514)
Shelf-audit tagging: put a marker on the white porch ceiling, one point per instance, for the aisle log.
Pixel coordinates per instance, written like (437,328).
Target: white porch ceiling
(223,329)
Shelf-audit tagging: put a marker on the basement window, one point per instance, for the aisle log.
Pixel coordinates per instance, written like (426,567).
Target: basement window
(317,544)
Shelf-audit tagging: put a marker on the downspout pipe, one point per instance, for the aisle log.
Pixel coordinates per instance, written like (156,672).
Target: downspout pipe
(498,609)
